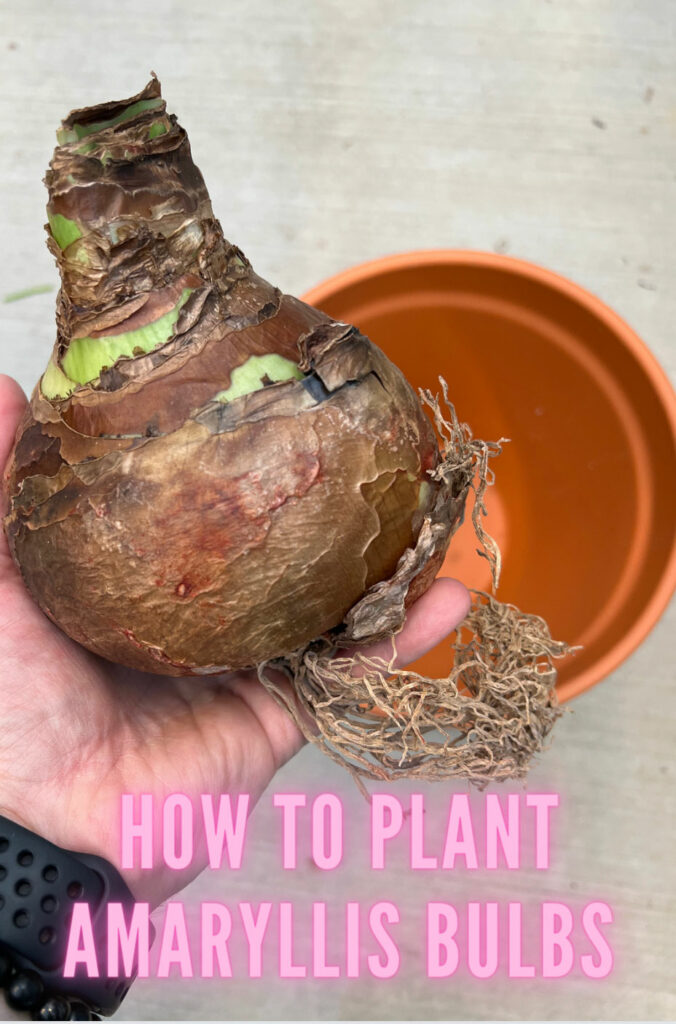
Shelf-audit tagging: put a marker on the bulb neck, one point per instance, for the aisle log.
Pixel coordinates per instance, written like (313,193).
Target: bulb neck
(129,215)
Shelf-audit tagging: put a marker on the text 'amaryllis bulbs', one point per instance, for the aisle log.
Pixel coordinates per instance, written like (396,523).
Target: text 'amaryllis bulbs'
(211,475)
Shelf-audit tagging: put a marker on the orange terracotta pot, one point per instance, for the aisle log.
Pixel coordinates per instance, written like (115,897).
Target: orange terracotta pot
(584,505)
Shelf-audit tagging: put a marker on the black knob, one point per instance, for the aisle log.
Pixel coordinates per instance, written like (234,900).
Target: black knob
(54,1008)
(25,991)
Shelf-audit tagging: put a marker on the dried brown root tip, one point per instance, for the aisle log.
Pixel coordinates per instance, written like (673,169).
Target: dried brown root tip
(484,722)
(465,465)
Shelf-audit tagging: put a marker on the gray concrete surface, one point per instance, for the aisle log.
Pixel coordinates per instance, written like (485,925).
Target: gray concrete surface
(330,133)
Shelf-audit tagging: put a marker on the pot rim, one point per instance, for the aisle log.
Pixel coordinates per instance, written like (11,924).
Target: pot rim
(625,335)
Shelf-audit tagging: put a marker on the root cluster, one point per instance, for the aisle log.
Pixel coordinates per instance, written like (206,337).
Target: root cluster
(484,721)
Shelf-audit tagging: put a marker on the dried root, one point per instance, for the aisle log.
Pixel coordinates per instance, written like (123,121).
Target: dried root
(464,466)
(485,720)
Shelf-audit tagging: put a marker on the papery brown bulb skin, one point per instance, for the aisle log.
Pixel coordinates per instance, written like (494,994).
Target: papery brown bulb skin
(204,549)
(164,526)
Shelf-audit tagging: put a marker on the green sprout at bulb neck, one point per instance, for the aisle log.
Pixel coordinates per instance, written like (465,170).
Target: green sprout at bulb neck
(85,358)
(81,131)
(64,231)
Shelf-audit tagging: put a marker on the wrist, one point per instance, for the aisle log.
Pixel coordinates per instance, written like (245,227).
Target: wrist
(98,834)
(40,885)
(96,838)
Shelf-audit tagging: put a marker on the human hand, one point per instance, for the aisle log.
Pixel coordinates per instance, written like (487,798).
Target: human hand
(76,732)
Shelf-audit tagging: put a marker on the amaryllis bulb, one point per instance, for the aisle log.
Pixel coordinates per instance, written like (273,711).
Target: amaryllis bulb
(210,474)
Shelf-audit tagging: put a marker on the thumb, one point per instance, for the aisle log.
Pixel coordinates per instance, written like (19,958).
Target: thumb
(433,616)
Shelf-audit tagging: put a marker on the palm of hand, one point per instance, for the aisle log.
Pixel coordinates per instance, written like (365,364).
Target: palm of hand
(77,732)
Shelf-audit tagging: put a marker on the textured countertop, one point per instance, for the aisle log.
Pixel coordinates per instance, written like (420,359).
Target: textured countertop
(330,133)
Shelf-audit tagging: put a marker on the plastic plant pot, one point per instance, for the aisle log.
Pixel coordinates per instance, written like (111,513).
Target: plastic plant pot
(584,504)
